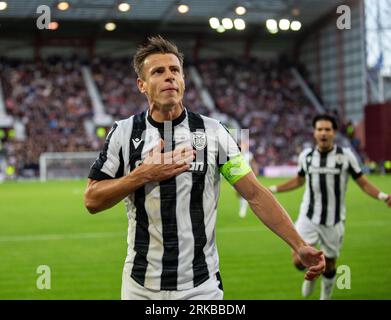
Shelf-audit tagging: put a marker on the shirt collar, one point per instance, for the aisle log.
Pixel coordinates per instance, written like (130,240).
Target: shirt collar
(175,122)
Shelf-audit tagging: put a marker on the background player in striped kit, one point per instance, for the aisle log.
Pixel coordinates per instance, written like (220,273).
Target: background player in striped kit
(172,200)
(325,170)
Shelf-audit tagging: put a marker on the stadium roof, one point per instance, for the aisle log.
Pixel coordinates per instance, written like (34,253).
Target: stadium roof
(164,12)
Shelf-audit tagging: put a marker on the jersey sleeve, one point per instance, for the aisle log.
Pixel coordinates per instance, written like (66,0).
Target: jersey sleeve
(301,165)
(231,162)
(110,163)
(354,166)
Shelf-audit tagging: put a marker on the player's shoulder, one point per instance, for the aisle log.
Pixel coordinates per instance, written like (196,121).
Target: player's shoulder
(350,155)
(344,149)
(128,123)
(218,127)
(304,155)
(306,151)
(123,123)
(123,127)
(120,126)
(347,151)
(209,123)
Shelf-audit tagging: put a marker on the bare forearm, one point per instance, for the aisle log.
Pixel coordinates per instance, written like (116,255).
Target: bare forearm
(368,187)
(272,214)
(371,190)
(374,192)
(290,185)
(102,195)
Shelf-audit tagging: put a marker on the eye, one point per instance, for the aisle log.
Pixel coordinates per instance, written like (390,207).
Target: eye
(157,71)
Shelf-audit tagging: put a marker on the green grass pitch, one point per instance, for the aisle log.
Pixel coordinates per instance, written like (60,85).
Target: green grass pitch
(46,224)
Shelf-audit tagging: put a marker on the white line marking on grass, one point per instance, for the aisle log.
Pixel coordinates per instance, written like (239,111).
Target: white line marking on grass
(101,235)
(97,235)
(45,237)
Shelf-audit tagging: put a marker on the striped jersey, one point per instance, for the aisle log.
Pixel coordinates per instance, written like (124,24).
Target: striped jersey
(171,232)
(326,176)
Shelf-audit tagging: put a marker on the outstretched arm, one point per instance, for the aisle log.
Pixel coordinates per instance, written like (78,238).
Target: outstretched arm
(371,190)
(292,184)
(272,214)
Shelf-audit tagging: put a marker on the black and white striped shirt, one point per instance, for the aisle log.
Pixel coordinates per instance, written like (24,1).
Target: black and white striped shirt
(171,233)
(326,183)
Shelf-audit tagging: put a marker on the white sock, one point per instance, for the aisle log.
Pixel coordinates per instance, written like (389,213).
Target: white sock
(307,288)
(326,288)
(243,207)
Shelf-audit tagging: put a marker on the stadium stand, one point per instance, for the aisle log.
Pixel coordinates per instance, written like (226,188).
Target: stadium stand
(116,81)
(264,97)
(51,100)
(117,85)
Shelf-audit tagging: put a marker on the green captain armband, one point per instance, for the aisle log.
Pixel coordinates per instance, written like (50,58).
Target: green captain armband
(234,169)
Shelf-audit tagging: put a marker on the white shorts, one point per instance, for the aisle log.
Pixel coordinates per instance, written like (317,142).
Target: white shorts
(330,238)
(131,290)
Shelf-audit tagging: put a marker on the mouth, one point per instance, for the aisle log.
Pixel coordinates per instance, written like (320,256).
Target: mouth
(170,90)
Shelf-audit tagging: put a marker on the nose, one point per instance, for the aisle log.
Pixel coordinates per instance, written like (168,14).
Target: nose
(170,77)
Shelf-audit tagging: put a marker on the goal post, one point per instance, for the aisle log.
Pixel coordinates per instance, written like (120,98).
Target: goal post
(65,165)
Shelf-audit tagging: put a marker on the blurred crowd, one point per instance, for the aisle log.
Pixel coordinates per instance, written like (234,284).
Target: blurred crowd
(51,100)
(116,81)
(265,98)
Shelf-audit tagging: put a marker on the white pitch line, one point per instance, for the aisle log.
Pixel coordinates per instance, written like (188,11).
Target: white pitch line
(100,235)
(45,237)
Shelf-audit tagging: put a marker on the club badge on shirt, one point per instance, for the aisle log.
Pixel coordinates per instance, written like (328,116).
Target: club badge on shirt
(199,140)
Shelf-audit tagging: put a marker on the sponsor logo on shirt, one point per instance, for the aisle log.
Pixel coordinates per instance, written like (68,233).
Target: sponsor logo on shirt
(322,170)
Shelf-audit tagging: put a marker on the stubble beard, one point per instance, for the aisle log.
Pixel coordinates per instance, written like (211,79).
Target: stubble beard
(165,108)
(325,147)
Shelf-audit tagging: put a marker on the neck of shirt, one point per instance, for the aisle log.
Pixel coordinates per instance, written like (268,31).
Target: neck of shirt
(325,152)
(175,121)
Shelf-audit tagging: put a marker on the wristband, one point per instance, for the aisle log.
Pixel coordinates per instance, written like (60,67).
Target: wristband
(273,189)
(383,196)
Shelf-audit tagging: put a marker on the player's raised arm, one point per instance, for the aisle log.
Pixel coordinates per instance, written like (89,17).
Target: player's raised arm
(273,215)
(295,182)
(373,191)
(363,182)
(292,184)
(239,174)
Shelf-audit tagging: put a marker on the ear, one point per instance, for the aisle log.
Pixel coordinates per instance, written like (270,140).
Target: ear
(141,85)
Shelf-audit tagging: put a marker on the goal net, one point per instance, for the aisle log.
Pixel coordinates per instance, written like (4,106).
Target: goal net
(65,165)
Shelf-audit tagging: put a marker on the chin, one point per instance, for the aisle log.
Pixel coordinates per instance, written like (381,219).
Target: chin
(167,105)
